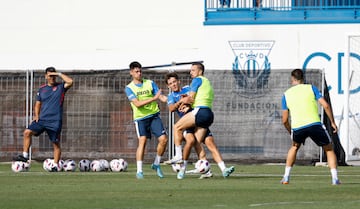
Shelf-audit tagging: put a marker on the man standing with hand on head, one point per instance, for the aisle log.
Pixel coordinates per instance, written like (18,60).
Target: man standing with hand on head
(48,114)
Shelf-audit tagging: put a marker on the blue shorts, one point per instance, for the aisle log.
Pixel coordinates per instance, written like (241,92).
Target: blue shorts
(204,117)
(317,133)
(150,125)
(53,129)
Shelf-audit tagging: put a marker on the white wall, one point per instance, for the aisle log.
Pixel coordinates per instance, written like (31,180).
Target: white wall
(98,34)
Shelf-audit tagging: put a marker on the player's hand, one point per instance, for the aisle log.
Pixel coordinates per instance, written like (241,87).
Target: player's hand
(184,108)
(335,129)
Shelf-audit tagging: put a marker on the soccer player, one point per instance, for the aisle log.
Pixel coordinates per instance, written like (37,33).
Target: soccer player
(201,96)
(301,102)
(143,95)
(175,104)
(48,114)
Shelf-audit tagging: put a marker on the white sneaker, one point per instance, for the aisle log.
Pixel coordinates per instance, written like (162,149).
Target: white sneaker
(193,171)
(173,161)
(206,175)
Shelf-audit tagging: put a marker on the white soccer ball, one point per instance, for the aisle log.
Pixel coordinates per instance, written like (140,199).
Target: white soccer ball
(69,165)
(115,165)
(123,164)
(27,166)
(104,165)
(18,166)
(202,166)
(84,165)
(61,165)
(95,166)
(47,164)
(176,167)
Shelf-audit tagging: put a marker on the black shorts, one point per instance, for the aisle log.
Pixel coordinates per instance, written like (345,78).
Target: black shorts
(317,133)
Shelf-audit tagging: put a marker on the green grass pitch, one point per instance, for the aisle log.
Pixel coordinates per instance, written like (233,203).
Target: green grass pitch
(250,186)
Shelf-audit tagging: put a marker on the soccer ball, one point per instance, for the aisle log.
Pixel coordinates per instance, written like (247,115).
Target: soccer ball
(104,164)
(17,166)
(47,164)
(27,166)
(202,166)
(61,165)
(115,165)
(69,165)
(95,166)
(123,164)
(84,165)
(176,167)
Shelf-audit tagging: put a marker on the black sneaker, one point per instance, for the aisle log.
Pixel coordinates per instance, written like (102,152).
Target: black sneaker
(20,158)
(54,169)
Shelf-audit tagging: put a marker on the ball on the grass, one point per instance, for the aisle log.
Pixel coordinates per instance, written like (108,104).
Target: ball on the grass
(17,166)
(176,167)
(69,165)
(115,165)
(202,166)
(123,165)
(84,165)
(47,164)
(104,165)
(95,166)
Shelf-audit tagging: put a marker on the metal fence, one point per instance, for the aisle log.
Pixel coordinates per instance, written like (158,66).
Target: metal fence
(98,118)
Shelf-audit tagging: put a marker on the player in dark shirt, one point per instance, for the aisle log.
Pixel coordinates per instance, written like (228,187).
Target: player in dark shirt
(48,114)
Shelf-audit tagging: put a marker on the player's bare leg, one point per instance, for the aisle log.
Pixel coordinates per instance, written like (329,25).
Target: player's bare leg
(290,160)
(332,163)
(140,156)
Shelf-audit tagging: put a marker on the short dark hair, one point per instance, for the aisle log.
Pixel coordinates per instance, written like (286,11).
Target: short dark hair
(200,66)
(171,75)
(50,69)
(298,74)
(134,64)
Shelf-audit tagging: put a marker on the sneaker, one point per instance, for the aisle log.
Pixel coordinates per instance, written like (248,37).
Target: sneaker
(174,161)
(226,173)
(206,175)
(54,169)
(181,174)
(285,180)
(20,158)
(193,171)
(336,182)
(158,170)
(139,175)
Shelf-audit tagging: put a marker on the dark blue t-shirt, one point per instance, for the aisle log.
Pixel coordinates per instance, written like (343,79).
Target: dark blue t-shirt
(52,99)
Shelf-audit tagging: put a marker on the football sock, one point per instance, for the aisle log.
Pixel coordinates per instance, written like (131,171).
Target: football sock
(178,151)
(334,173)
(26,155)
(222,166)
(157,160)
(287,171)
(139,166)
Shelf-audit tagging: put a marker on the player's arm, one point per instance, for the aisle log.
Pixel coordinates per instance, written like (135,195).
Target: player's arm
(285,120)
(37,108)
(329,113)
(174,106)
(68,82)
(285,114)
(140,103)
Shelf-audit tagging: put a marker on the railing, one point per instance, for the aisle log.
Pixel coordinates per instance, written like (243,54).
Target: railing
(221,12)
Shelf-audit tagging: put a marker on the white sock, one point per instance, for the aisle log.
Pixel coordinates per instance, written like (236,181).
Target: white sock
(178,152)
(185,163)
(287,171)
(139,166)
(222,166)
(26,155)
(334,173)
(157,160)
